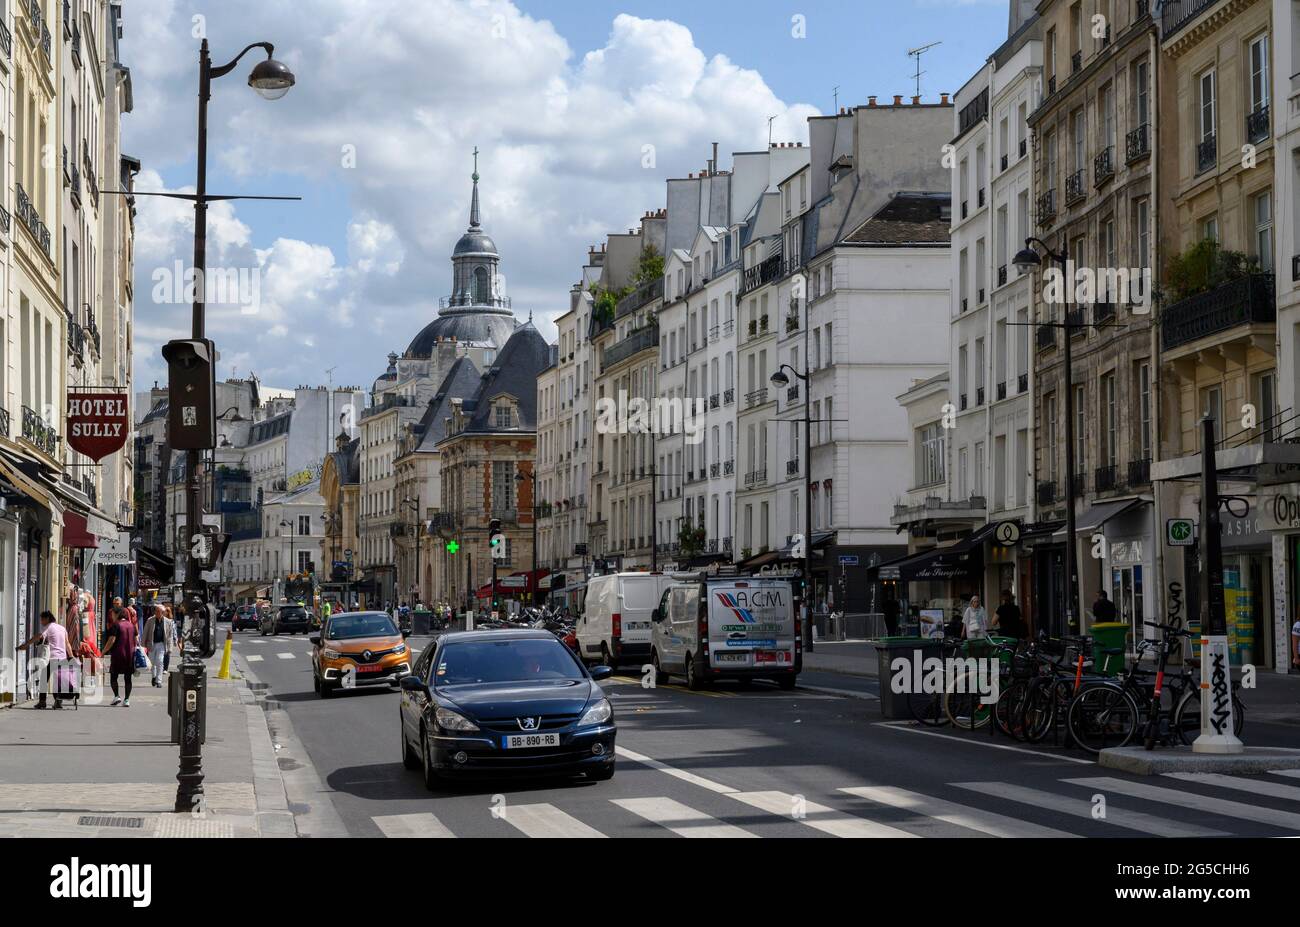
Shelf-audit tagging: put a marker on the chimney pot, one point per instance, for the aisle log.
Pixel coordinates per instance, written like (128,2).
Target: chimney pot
(916,101)
(898,99)
(943,99)
(871,101)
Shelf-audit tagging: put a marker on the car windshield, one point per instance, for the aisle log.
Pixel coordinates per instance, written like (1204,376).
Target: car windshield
(531,660)
(361,624)
(292,611)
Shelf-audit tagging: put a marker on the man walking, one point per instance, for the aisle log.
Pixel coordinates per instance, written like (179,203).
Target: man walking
(160,637)
(1103,609)
(1010,622)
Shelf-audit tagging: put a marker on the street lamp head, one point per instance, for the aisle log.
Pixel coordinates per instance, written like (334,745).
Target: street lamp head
(271,79)
(1027,259)
(779,378)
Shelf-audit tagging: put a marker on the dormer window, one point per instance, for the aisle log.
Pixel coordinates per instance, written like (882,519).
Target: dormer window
(505,418)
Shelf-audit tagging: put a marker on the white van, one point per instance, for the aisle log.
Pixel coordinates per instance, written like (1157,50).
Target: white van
(727,628)
(615,623)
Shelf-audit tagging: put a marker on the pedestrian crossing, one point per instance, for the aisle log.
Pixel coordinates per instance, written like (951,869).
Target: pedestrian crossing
(971,809)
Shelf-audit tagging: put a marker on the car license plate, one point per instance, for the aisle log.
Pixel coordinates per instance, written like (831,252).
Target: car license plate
(515,741)
(371,668)
(731,657)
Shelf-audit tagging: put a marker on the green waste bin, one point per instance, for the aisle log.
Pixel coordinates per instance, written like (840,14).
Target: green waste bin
(1108,635)
(893,704)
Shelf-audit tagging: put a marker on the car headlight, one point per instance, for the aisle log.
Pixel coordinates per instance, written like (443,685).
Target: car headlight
(332,654)
(400,648)
(449,720)
(598,713)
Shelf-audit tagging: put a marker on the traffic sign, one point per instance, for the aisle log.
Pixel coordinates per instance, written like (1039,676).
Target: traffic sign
(1180,532)
(1007,533)
(848,559)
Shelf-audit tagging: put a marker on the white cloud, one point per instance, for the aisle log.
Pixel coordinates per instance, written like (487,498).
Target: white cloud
(560,136)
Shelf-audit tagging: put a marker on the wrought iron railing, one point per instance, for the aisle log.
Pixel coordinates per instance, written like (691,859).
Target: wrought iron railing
(1046,337)
(4,421)
(31,219)
(1074,186)
(1175,14)
(1022,383)
(1106,478)
(640,340)
(1257,126)
(756,397)
(756,477)
(792,467)
(1046,492)
(728,396)
(1207,154)
(1103,166)
(38,434)
(1047,207)
(1139,472)
(1137,143)
(1246,300)
(761,273)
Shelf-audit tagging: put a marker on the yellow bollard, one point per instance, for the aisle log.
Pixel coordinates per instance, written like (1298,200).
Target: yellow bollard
(225,657)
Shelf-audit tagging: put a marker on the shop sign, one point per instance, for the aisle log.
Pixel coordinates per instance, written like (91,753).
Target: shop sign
(1007,533)
(115,551)
(97,423)
(1180,532)
(1281,510)
(1125,552)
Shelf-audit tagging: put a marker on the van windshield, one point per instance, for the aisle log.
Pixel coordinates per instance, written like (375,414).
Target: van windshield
(640,592)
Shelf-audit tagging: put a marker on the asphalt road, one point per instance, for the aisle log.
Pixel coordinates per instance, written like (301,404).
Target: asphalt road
(758,762)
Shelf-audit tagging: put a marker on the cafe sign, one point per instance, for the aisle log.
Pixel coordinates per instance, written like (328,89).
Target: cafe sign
(97,423)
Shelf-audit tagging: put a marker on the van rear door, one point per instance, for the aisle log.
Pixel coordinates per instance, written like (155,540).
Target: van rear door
(638,597)
(751,625)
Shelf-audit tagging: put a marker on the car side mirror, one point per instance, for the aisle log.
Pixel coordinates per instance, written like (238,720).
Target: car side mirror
(412,683)
(601,672)
(315,639)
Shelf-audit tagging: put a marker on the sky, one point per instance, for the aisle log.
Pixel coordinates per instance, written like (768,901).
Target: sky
(392,97)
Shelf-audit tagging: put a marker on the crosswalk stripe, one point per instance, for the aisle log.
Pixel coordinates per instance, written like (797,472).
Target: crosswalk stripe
(543,820)
(411,825)
(1221,806)
(284,656)
(254,658)
(1256,786)
(678,773)
(818,817)
(986,822)
(1289,773)
(682,820)
(1081,807)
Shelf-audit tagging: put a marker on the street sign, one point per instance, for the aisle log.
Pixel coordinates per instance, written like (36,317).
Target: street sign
(348,553)
(848,559)
(1180,532)
(1007,533)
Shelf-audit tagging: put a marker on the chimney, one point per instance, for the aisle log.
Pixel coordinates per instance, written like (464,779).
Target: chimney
(916,101)
(943,99)
(715,155)
(871,101)
(898,99)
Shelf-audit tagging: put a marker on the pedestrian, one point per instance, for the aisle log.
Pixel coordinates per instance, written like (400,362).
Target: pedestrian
(160,637)
(54,637)
(891,608)
(1103,609)
(133,615)
(1295,644)
(120,646)
(975,620)
(1009,620)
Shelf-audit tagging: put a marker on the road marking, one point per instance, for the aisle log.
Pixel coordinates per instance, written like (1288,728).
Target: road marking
(682,820)
(904,726)
(1289,773)
(254,658)
(986,822)
(284,656)
(1256,786)
(678,773)
(543,820)
(818,817)
(847,693)
(411,825)
(1080,807)
(1221,806)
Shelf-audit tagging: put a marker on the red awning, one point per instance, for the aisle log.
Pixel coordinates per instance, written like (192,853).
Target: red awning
(75,532)
(518,582)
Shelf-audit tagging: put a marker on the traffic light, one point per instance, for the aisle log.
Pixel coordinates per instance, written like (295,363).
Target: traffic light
(496,540)
(191,394)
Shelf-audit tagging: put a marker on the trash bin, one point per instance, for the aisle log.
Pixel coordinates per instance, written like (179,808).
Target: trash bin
(893,704)
(1108,635)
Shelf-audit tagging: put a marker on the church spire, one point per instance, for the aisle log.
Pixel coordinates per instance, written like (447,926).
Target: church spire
(473,203)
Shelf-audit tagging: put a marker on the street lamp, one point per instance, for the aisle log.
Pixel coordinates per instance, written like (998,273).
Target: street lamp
(1028,260)
(271,80)
(520,476)
(415,505)
(780,381)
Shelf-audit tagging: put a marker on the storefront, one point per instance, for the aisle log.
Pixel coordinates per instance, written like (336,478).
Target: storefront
(937,582)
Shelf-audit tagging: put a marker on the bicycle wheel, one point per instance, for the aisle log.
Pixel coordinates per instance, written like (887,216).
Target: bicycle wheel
(963,706)
(1187,717)
(1039,710)
(927,708)
(1008,713)
(1102,715)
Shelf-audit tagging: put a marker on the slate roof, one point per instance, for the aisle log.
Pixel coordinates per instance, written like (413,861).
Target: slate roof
(907,219)
(515,372)
(347,462)
(460,382)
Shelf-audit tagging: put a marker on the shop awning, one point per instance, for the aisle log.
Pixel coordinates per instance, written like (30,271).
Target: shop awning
(1097,515)
(954,561)
(24,475)
(75,532)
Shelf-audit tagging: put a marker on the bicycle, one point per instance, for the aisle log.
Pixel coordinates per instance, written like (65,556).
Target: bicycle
(1058,679)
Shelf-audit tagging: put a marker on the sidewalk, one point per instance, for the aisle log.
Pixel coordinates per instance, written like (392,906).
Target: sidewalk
(111,771)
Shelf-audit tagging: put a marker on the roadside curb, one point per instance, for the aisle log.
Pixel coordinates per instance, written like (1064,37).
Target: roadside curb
(1254,760)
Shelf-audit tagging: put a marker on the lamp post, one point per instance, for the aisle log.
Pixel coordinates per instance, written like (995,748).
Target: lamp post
(1027,260)
(520,476)
(285,523)
(272,80)
(415,506)
(780,380)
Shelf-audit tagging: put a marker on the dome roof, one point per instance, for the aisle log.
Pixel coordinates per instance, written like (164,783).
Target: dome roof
(475,241)
(479,324)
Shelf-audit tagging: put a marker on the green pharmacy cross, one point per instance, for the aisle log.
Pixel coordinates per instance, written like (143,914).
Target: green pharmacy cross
(452,547)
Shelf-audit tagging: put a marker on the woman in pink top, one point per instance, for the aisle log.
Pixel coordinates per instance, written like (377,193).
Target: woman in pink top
(55,638)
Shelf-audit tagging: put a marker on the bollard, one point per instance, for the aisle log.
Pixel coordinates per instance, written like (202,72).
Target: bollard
(224,673)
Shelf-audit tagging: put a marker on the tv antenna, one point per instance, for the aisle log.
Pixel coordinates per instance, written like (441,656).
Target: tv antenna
(916,53)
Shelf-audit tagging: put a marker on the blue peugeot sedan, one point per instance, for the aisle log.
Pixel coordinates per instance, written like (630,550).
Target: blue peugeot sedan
(505,703)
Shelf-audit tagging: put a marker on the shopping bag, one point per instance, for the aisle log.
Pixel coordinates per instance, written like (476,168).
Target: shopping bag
(141,659)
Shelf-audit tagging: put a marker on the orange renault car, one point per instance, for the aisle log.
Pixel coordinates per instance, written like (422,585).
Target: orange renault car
(357,649)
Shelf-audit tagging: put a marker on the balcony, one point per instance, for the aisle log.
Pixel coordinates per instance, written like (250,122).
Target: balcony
(4,422)
(756,398)
(31,219)
(759,274)
(1076,62)
(728,467)
(1207,154)
(1001,391)
(792,392)
(1245,301)
(1106,479)
(1137,144)
(1141,8)
(755,478)
(713,401)
(980,296)
(1295,264)
(646,293)
(965,211)
(965,304)
(1047,207)
(38,434)
(973,112)
(1074,186)
(1051,85)
(6,40)
(1046,337)
(1022,383)
(76,341)
(1002,275)
(728,396)
(979,198)
(1075,322)
(979,396)
(792,467)
(1004,162)
(715,470)
(791,323)
(1139,472)
(961,403)
(4,220)
(933,508)
(642,339)
(1024,147)
(1103,166)
(1175,14)
(1257,125)
(714,332)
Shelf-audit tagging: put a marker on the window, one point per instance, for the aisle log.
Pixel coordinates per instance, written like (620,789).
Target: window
(503,486)
(1079,128)
(1080,427)
(304,524)
(1142,219)
(304,561)
(1142,93)
(1266,405)
(1109,421)
(1144,410)
(979,468)
(1212,405)
(929,458)
(504,416)
(1206,105)
(1107,104)
(1262,210)
(1259,73)
(1210,227)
